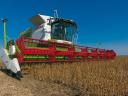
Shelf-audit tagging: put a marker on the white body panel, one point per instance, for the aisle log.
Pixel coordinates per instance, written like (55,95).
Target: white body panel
(43,31)
(39,34)
(62,41)
(13,64)
(12,50)
(4,57)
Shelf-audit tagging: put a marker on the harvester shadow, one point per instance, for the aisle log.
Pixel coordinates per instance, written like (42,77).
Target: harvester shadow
(8,73)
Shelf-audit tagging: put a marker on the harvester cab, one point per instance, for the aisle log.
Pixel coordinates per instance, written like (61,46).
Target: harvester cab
(52,29)
(64,30)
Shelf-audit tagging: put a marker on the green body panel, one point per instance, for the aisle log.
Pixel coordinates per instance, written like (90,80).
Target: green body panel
(61,49)
(78,57)
(35,45)
(61,57)
(26,33)
(38,57)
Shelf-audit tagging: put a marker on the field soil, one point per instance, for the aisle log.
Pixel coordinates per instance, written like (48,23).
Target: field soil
(28,86)
(89,78)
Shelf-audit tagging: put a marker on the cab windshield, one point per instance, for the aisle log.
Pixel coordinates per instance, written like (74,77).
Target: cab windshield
(63,31)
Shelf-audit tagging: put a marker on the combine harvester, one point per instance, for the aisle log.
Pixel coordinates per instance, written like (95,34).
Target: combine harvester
(52,40)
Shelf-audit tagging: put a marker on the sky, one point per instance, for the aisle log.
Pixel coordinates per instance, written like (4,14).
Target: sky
(101,23)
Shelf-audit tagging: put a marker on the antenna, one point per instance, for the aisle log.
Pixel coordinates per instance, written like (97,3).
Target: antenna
(56,14)
(4,20)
